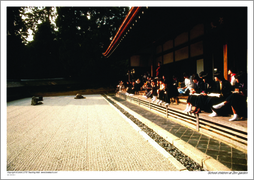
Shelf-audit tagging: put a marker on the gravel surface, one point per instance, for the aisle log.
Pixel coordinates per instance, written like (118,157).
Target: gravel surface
(67,134)
(175,152)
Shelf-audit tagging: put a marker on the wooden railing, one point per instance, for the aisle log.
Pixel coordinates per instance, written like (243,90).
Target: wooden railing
(231,135)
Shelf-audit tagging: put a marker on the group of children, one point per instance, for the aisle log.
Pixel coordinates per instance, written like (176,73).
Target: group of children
(162,90)
(218,96)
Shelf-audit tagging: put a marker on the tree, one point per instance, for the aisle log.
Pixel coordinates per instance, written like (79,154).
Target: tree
(42,52)
(43,56)
(84,33)
(32,16)
(72,46)
(16,29)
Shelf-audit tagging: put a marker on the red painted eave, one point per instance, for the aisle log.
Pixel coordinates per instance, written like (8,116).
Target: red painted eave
(127,21)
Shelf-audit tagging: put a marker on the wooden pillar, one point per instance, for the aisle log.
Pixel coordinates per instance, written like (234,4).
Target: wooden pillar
(197,122)
(225,58)
(151,70)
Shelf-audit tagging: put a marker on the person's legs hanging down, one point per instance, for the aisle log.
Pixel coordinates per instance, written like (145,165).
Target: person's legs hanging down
(238,104)
(189,105)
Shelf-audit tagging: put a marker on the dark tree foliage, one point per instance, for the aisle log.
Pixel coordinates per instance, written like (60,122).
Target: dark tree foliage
(43,59)
(73,50)
(84,34)
(35,15)
(15,47)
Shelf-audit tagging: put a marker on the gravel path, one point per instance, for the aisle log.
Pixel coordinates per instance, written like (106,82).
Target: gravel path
(67,134)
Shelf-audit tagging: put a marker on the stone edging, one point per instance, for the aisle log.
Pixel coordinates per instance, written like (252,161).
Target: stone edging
(169,157)
(207,162)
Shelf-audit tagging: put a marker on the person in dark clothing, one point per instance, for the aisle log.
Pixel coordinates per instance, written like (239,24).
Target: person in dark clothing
(161,92)
(155,89)
(171,89)
(192,98)
(237,100)
(206,84)
(147,87)
(222,88)
(137,86)
(128,87)
(166,95)
(132,88)
(174,90)
(153,92)
(205,88)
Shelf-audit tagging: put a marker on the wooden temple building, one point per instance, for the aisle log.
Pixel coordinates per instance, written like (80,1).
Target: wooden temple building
(183,39)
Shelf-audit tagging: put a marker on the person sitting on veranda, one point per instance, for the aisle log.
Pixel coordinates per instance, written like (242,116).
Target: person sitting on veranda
(152,93)
(155,87)
(144,78)
(133,88)
(237,100)
(128,87)
(173,92)
(223,89)
(161,92)
(158,89)
(119,86)
(205,88)
(191,101)
(168,92)
(188,85)
(147,87)
(138,86)
(232,78)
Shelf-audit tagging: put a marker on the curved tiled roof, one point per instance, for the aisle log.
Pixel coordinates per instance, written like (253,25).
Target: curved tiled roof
(127,21)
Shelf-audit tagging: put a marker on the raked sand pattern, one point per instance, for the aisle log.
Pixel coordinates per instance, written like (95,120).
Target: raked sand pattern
(67,134)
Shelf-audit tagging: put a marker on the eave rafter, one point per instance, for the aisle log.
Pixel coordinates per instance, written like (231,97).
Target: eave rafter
(121,31)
